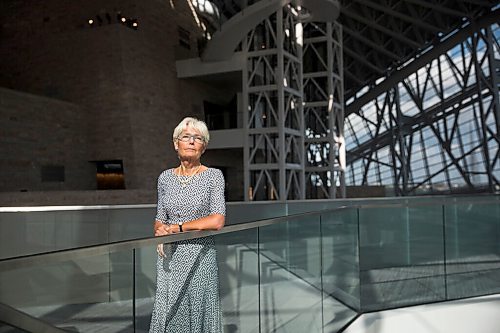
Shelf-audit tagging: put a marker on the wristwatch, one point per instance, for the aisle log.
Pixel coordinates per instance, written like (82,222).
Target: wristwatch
(180,226)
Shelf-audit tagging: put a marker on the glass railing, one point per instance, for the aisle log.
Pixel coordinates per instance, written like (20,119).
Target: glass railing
(35,230)
(307,272)
(426,252)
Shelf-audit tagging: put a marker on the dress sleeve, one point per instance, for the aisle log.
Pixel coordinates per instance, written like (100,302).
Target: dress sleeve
(217,201)
(161,211)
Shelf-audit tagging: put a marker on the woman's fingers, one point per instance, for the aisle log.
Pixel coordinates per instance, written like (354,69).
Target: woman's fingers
(159,250)
(163,230)
(167,229)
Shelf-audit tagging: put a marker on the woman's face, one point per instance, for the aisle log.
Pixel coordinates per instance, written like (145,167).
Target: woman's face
(190,144)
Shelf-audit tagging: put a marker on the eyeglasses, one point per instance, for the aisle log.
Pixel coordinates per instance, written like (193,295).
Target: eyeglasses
(187,138)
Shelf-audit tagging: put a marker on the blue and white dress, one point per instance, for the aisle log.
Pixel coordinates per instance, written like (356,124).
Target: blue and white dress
(187,291)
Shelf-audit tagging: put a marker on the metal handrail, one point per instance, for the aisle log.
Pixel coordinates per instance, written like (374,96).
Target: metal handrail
(92,250)
(361,202)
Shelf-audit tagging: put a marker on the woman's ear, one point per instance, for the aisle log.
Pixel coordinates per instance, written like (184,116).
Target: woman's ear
(176,146)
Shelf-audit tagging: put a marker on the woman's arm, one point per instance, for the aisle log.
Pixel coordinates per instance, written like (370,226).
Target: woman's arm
(214,221)
(210,222)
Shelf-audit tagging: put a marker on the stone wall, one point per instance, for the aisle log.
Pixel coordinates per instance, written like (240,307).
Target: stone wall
(123,80)
(38,132)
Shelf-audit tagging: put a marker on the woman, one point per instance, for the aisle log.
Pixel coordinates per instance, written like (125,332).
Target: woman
(190,197)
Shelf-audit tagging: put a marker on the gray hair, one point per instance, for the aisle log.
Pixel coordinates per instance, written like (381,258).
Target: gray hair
(198,125)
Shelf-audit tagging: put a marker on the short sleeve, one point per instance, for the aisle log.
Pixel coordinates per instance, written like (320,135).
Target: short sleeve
(217,200)
(161,211)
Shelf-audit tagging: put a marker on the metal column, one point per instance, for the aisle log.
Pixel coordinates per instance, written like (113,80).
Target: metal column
(273,109)
(324,110)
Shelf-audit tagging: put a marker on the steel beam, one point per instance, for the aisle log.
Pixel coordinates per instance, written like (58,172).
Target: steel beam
(450,108)
(425,58)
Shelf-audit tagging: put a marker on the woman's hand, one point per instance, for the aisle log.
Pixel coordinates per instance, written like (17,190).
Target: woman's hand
(159,250)
(162,230)
(166,229)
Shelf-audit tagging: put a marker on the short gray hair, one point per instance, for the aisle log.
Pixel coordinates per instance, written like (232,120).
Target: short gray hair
(198,125)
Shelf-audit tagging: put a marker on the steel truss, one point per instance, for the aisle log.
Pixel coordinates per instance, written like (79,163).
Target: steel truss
(324,110)
(273,109)
(436,130)
(294,122)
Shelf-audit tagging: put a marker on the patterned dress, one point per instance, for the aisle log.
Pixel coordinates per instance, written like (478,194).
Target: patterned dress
(187,291)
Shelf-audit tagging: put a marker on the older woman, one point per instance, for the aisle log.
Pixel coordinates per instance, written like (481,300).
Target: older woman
(190,197)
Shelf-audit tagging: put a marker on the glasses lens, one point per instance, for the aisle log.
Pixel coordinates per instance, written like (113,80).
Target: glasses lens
(187,138)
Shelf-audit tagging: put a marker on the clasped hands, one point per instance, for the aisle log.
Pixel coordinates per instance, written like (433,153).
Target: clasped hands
(164,230)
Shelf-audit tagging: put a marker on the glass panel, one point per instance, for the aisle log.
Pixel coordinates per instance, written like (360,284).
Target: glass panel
(130,223)
(10,329)
(85,294)
(238,280)
(301,206)
(401,256)
(25,233)
(290,294)
(237,257)
(304,249)
(340,261)
(237,213)
(340,256)
(145,286)
(472,249)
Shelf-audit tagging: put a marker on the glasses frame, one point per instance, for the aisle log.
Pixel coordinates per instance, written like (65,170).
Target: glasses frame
(187,138)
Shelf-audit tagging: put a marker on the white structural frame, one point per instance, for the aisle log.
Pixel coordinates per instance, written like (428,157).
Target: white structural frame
(273,118)
(324,111)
